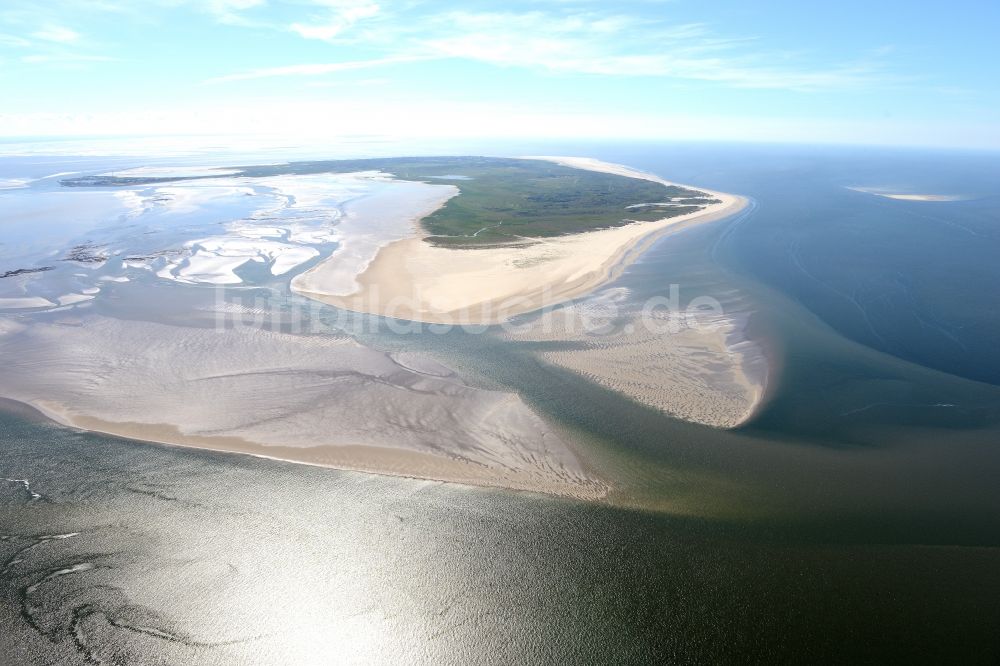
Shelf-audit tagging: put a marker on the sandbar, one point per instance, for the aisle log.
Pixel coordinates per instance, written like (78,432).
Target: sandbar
(323,400)
(901,196)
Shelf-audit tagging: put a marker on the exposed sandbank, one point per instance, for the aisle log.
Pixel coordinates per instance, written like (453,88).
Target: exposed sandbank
(902,196)
(321,400)
(699,368)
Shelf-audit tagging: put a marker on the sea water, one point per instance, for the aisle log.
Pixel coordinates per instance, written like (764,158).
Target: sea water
(856,514)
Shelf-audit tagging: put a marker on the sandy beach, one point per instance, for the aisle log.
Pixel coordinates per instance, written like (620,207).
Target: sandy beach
(414,280)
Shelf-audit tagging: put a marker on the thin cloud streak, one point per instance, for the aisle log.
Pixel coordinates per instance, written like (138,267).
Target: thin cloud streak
(65,58)
(313,69)
(595,45)
(571,42)
(230,12)
(586,44)
(341,16)
(13,41)
(57,33)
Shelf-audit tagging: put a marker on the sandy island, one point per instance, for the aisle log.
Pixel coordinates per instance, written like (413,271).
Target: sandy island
(414,280)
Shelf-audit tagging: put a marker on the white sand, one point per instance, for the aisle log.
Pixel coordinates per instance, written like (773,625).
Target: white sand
(372,222)
(73,299)
(899,196)
(28,302)
(411,279)
(361,212)
(170,172)
(292,257)
(214,260)
(323,190)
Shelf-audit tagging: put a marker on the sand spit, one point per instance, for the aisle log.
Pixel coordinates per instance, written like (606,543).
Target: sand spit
(168,172)
(320,400)
(413,280)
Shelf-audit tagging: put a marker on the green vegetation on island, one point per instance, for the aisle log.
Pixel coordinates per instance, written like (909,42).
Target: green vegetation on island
(501,200)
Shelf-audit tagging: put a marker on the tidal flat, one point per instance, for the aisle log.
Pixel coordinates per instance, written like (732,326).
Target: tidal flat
(221,248)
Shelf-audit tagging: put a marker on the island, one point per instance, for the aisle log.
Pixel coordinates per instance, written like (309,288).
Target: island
(506,236)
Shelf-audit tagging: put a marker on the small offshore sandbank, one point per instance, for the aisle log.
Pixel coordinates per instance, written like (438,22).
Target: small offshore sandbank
(902,196)
(414,280)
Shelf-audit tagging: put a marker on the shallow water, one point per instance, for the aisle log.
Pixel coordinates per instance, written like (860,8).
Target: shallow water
(133,553)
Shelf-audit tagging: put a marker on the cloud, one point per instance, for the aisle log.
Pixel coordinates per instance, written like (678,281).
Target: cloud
(231,11)
(56,33)
(577,42)
(13,41)
(620,46)
(575,38)
(340,15)
(64,58)
(328,18)
(315,69)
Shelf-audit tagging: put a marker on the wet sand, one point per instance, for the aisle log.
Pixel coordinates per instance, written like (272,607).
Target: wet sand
(696,368)
(320,400)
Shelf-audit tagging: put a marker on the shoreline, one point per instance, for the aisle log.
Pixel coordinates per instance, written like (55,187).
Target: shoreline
(486,286)
(359,458)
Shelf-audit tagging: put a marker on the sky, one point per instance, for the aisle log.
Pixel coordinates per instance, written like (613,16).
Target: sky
(911,73)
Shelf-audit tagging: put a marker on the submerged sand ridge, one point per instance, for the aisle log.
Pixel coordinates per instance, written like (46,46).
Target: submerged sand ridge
(414,280)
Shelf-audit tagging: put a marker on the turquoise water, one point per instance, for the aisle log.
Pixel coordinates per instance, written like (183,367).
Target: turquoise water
(857,517)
